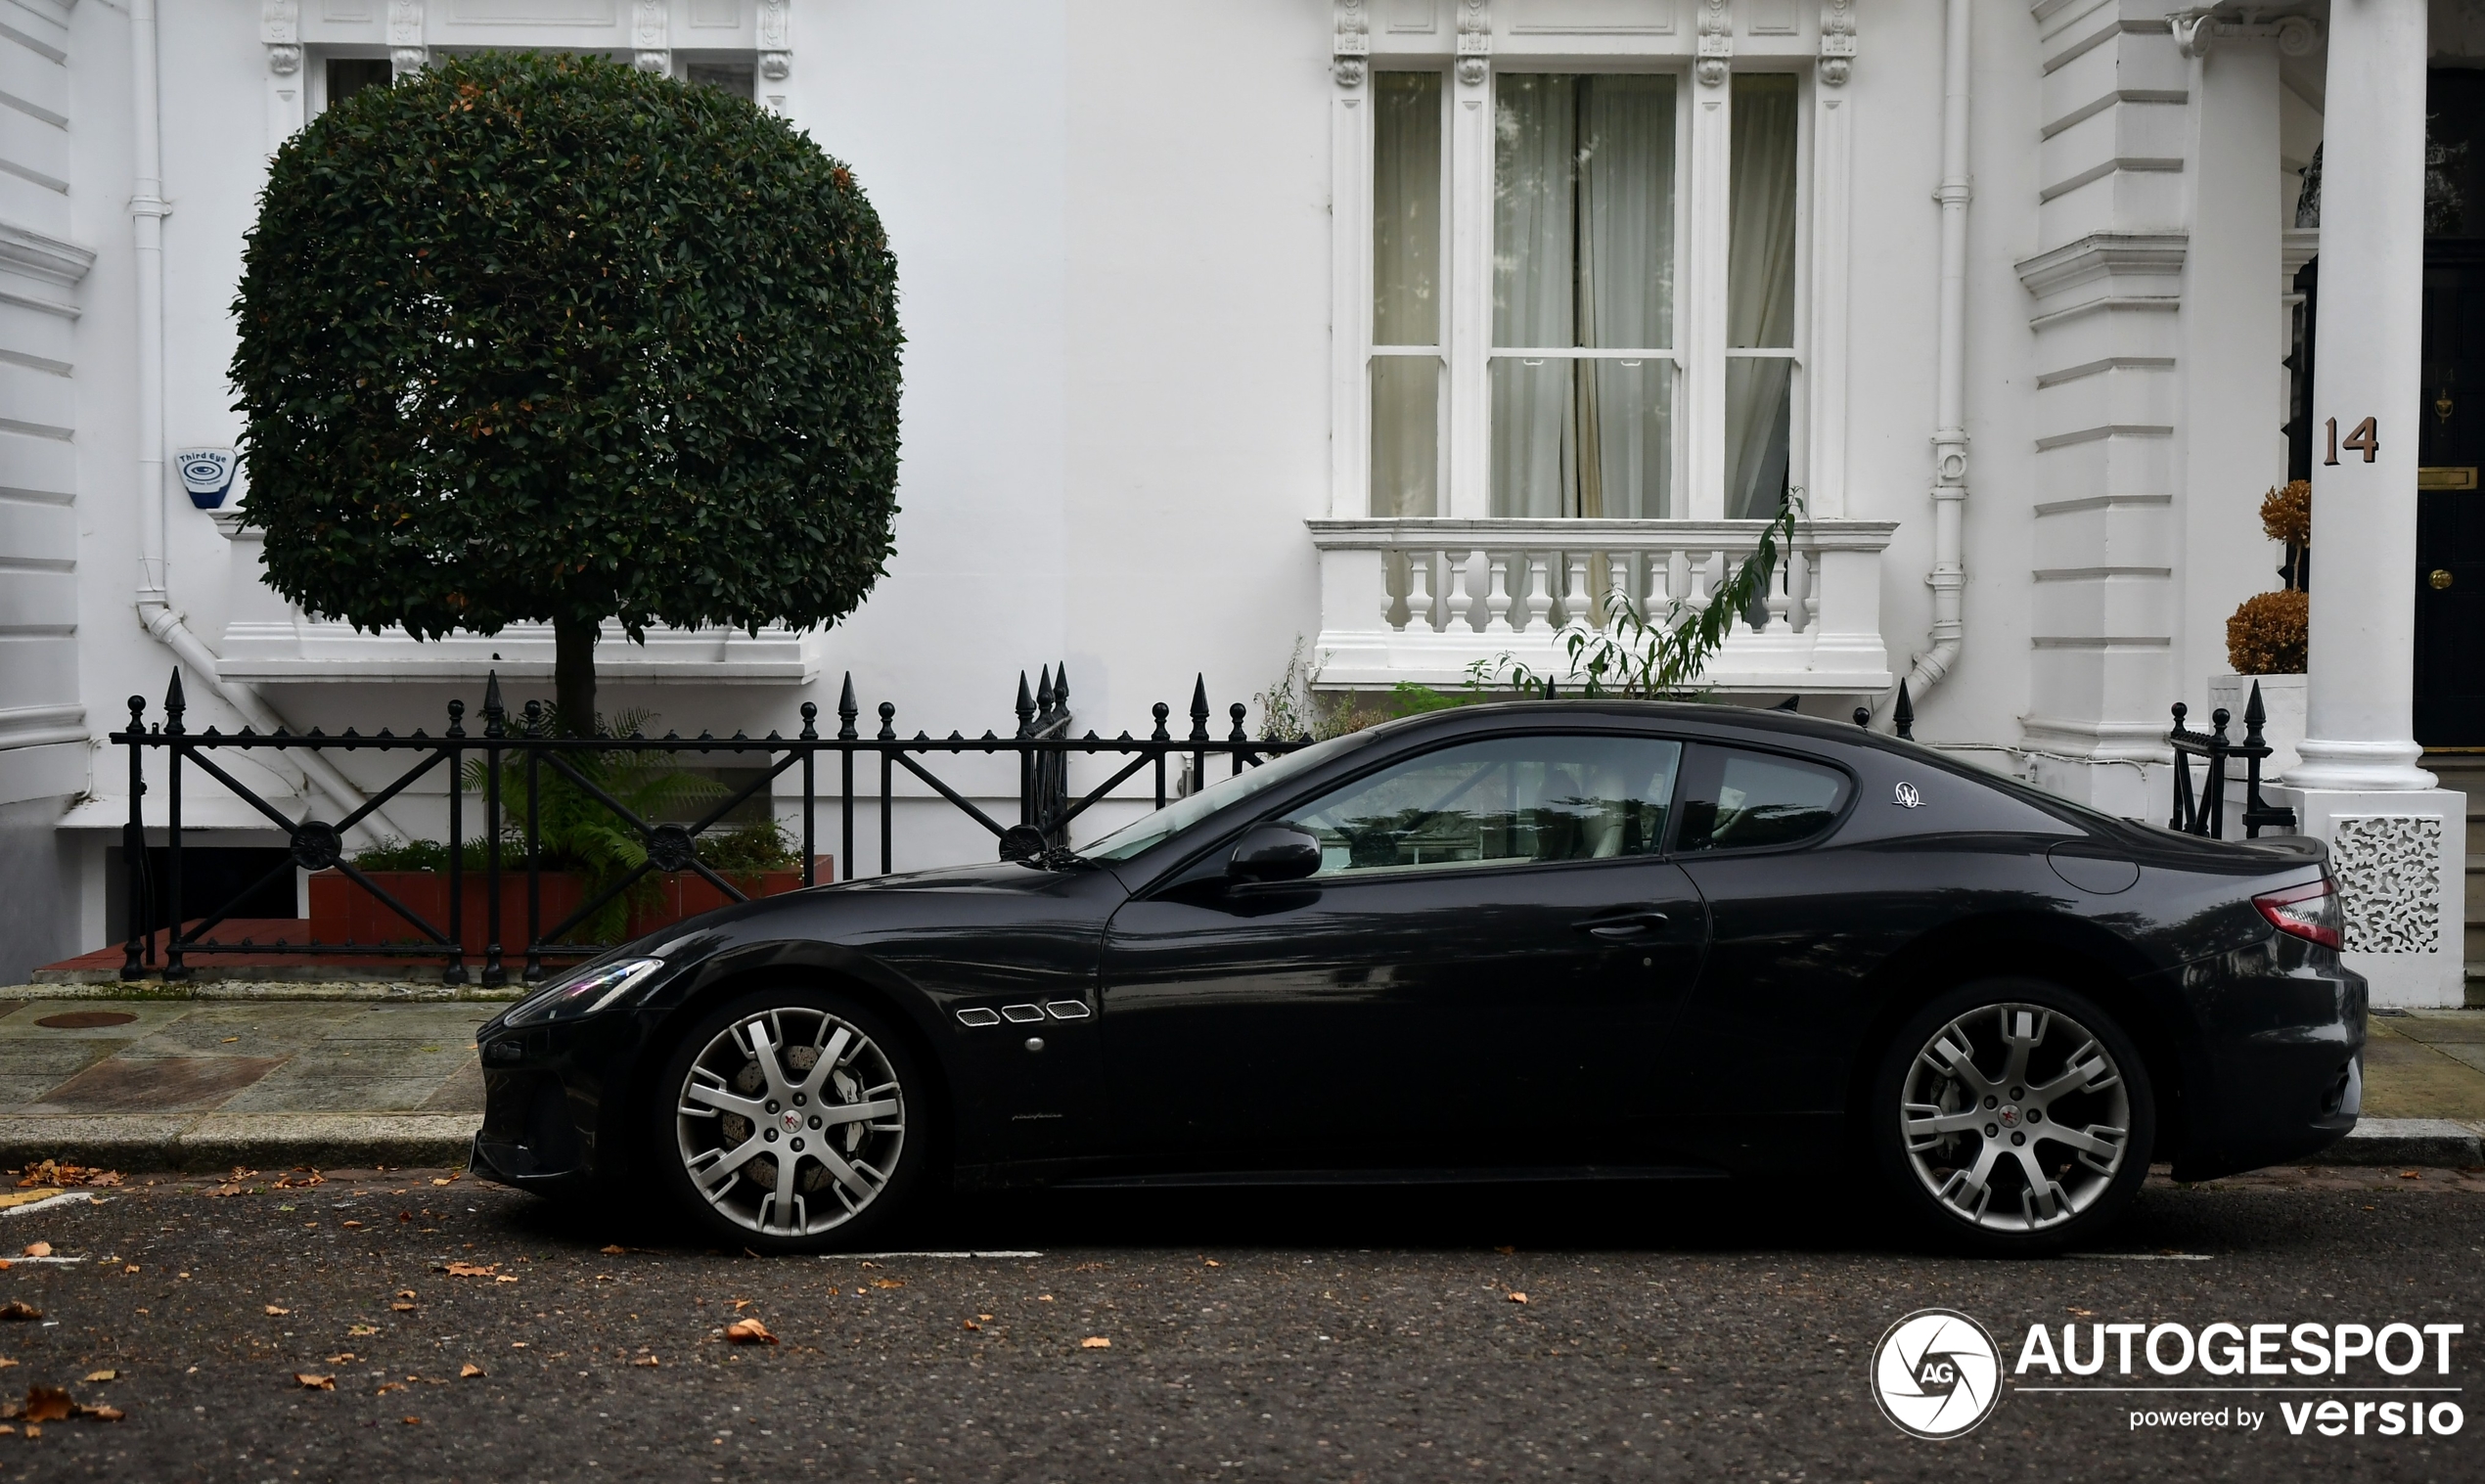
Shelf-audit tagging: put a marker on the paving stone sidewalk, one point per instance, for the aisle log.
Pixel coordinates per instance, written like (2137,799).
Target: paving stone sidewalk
(297,1074)
(209,1083)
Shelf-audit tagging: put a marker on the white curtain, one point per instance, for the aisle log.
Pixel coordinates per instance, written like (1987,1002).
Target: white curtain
(1406,302)
(1760,293)
(1583,238)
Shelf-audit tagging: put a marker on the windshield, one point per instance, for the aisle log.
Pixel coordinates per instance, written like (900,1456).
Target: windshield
(1183,813)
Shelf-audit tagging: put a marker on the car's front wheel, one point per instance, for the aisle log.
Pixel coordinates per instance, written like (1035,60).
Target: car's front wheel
(2013,1115)
(792,1120)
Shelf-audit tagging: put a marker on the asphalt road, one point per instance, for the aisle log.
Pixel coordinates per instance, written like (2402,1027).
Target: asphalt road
(1325,1336)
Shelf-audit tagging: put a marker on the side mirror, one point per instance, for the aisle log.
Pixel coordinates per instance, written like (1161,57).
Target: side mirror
(1274,853)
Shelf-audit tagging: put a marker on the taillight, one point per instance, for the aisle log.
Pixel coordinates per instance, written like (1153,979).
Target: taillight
(2310,912)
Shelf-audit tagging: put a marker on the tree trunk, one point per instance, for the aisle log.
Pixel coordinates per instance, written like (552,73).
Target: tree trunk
(573,674)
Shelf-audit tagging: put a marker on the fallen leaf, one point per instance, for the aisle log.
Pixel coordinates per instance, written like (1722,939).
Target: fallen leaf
(1095,1342)
(38,1250)
(346,1359)
(2403,1175)
(1044,1298)
(228,1040)
(33,1431)
(310,1382)
(47,1404)
(410,1422)
(986,1317)
(516,1344)
(615,1250)
(6,1429)
(439,1182)
(401,1307)
(888,1282)
(17,1308)
(645,1360)
(971,1324)
(504,1277)
(1212,1261)
(353,1224)
(405,1293)
(104,1414)
(741,1304)
(1505,1251)
(130,1268)
(273,1309)
(103,1375)
(5,1363)
(2081,1313)
(468,1369)
(468,1269)
(387,1386)
(748,1331)
(1518,1298)
(362,1329)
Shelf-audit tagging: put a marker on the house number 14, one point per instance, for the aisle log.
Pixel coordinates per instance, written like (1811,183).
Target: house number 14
(2367,437)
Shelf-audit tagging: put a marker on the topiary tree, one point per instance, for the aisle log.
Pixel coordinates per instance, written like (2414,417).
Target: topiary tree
(548,339)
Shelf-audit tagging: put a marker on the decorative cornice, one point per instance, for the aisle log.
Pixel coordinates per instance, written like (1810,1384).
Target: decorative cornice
(407,51)
(1474,42)
(1837,41)
(2198,28)
(1716,42)
(281,33)
(39,256)
(1351,42)
(776,40)
(653,50)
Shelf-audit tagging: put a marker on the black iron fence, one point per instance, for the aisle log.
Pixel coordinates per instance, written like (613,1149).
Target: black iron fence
(507,769)
(2204,811)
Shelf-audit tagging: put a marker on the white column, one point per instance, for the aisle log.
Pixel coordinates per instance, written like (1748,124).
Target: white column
(2398,844)
(2359,702)
(1700,319)
(776,52)
(1350,268)
(280,31)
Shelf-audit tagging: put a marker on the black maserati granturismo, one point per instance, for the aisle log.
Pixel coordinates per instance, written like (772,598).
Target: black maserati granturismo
(1576,940)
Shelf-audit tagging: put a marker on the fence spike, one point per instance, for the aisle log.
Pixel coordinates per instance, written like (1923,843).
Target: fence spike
(1044,695)
(846,710)
(1902,715)
(1549,689)
(2254,714)
(1200,709)
(496,715)
(1062,686)
(174,703)
(810,721)
(1026,707)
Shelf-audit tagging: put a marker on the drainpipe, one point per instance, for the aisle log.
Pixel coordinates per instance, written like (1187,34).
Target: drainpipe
(154,600)
(1949,579)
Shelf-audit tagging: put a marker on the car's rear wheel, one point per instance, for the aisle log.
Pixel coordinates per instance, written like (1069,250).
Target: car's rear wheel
(793,1120)
(2013,1115)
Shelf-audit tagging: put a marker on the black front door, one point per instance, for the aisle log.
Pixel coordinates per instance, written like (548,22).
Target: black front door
(1484,971)
(2449,542)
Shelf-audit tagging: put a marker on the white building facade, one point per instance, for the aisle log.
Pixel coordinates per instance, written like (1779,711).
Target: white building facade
(1403,330)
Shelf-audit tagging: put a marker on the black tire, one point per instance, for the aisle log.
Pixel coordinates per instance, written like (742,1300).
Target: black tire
(2089,1132)
(830,1209)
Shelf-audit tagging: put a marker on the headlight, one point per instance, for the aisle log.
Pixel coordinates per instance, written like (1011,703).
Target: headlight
(583,994)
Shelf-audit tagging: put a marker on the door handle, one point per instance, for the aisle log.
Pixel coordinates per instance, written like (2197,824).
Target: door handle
(1624,925)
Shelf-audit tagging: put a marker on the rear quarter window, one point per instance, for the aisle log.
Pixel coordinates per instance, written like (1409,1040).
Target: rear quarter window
(1734,799)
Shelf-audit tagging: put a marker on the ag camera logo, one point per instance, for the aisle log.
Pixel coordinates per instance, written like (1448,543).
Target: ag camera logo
(1936,1375)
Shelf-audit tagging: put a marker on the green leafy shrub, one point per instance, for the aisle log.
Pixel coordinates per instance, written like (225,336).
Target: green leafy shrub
(549,338)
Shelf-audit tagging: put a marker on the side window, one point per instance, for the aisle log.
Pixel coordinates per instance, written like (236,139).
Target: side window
(1735,801)
(1498,802)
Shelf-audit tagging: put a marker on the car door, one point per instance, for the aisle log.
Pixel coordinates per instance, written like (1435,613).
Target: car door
(1481,970)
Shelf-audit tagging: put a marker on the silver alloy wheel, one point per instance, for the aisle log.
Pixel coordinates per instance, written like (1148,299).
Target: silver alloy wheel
(2015,1117)
(791,1122)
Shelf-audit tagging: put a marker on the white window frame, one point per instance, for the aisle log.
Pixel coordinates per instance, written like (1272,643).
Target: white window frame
(1816,436)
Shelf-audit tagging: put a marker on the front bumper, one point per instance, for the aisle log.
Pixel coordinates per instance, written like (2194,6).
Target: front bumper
(2275,1073)
(553,1105)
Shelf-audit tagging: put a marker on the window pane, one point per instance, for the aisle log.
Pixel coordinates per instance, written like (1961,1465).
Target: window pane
(1406,411)
(1760,223)
(1406,209)
(1758,391)
(1546,411)
(1735,800)
(1583,211)
(1512,799)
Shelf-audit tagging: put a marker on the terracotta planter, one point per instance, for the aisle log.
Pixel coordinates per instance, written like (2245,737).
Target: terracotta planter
(342,912)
